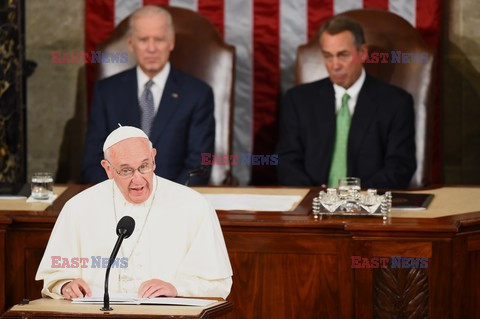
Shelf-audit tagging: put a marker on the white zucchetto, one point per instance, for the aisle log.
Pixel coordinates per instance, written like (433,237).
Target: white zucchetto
(122,133)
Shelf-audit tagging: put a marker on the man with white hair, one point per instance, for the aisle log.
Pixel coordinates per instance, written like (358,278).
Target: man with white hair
(175,109)
(176,248)
(348,124)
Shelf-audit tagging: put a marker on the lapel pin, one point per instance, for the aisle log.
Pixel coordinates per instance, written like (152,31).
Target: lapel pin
(175,95)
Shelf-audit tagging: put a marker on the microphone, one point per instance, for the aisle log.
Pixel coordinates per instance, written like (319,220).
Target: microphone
(199,171)
(125,228)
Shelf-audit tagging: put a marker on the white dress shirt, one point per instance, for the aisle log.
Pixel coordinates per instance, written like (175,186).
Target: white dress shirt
(158,86)
(352,91)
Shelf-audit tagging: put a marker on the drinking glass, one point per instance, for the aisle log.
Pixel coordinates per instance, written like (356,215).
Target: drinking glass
(42,185)
(347,183)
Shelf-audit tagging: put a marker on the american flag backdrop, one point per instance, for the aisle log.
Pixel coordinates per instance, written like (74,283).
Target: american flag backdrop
(266,34)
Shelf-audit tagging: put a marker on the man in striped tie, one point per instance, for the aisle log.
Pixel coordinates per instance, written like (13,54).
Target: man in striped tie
(349,124)
(174,109)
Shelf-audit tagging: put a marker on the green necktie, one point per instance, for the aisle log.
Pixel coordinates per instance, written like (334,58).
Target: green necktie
(338,168)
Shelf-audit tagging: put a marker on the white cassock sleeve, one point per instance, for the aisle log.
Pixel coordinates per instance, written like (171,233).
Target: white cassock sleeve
(63,243)
(206,269)
(192,233)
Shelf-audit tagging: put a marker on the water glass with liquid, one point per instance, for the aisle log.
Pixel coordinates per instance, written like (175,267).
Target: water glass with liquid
(346,184)
(42,185)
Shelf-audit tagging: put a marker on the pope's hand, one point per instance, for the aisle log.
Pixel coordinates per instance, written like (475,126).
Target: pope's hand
(76,289)
(156,287)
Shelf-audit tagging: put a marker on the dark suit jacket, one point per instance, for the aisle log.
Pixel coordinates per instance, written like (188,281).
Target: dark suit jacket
(183,128)
(381,145)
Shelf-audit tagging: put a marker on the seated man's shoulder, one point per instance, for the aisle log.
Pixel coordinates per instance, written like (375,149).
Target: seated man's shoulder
(383,88)
(123,76)
(310,87)
(189,79)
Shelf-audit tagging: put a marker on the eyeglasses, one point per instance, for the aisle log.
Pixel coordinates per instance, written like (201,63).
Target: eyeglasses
(126,172)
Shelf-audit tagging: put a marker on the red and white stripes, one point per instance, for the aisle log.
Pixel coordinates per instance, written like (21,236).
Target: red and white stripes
(266,34)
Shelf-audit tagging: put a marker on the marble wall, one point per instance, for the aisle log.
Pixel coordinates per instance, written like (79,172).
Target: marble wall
(461,92)
(56,92)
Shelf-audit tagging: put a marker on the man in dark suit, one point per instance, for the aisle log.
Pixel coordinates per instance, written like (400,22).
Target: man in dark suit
(349,124)
(173,108)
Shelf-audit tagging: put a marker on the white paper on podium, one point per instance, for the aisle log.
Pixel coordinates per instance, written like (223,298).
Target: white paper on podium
(411,208)
(253,202)
(132,299)
(49,200)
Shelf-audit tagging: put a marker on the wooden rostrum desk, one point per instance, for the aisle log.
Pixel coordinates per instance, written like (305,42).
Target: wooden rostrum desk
(290,265)
(48,308)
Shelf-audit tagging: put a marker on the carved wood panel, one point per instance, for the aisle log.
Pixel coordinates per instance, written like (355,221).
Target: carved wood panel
(3,225)
(472,294)
(33,288)
(288,276)
(400,293)
(25,249)
(278,285)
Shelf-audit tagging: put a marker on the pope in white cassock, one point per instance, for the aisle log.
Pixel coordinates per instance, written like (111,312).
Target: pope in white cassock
(177,247)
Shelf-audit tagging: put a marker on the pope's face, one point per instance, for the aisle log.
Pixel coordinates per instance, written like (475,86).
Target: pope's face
(127,155)
(151,41)
(338,52)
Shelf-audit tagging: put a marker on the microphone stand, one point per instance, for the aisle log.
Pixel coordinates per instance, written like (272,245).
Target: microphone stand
(122,233)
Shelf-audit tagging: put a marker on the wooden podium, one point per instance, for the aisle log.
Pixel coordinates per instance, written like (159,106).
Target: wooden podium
(50,308)
(287,264)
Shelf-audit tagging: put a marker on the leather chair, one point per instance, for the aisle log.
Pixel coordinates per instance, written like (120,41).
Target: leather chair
(200,51)
(385,32)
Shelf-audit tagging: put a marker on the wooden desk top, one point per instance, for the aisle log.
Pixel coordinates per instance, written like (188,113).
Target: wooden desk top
(450,218)
(50,308)
(21,204)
